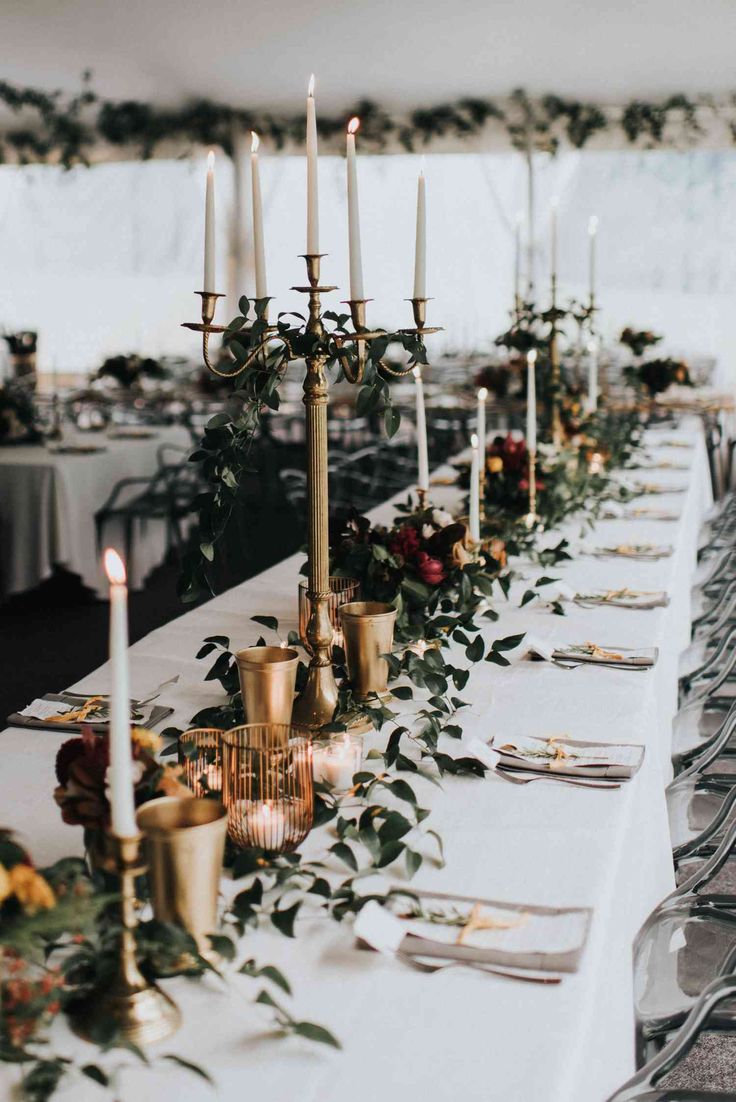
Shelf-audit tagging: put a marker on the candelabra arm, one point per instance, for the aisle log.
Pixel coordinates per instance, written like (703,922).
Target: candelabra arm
(206,328)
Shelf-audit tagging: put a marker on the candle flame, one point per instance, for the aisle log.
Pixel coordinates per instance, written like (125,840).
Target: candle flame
(417,373)
(474,441)
(353,125)
(114,567)
(210,160)
(310,89)
(267,809)
(531,356)
(482,394)
(255,141)
(593,225)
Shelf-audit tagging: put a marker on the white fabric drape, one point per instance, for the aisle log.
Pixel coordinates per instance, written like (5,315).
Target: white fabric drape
(105,260)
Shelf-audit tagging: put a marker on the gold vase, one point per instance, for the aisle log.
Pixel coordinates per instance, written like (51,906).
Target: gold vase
(267,786)
(342,590)
(184,845)
(368,627)
(267,682)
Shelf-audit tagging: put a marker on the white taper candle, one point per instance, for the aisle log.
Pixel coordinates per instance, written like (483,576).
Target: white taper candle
(422,450)
(531,400)
(312,176)
(420,253)
(482,399)
(259,248)
(356,257)
(121,760)
(592,236)
(474,489)
(592,400)
(209,226)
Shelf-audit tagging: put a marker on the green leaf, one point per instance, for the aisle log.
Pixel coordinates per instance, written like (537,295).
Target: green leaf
(316,1033)
(189,1066)
(402,692)
(92,1071)
(509,643)
(391,420)
(267,622)
(497,659)
(284,920)
(344,853)
(474,652)
(413,862)
(529,595)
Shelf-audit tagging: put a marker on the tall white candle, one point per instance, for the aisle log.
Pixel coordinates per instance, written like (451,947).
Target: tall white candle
(312,179)
(422,452)
(531,400)
(420,253)
(517,259)
(482,399)
(474,489)
(592,236)
(121,761)
(209,226)
(553,211)
(258,242)
(356,258)
(592,402)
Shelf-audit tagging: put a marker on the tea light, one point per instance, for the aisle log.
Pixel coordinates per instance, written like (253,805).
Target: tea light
(213,776)
(265,825)
(334,762)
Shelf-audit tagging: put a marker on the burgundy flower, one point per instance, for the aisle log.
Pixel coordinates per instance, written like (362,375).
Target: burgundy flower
(430,570)
(405,542)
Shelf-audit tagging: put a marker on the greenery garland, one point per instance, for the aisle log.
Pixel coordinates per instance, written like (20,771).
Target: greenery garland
(65,129)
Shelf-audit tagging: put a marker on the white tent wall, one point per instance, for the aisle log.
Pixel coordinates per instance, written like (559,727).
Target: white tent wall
(105,260)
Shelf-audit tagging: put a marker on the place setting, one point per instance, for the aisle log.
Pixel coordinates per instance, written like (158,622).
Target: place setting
(313,549)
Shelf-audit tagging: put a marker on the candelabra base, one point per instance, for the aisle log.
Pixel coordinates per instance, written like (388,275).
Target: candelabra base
(144,1016)
(317,701)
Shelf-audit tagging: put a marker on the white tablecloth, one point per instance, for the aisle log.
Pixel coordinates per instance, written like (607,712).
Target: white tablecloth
(47,507)
(459,1034)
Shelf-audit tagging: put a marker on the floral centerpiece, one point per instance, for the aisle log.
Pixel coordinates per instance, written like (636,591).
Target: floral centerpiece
(500,379)
(425,556)
(22,348)
(131,371)
(638,340)
(82,765)
(18,415)
(655,376)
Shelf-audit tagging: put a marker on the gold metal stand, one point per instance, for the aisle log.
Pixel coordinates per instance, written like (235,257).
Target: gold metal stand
(142,1012)
(318,700)
(532,517)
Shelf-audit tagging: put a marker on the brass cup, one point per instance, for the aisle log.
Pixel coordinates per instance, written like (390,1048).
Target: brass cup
(184,845)
(368,627)
(267,682)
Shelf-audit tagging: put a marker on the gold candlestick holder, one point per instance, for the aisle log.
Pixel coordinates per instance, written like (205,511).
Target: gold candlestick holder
(140,1010)
(531,519)
(317,702)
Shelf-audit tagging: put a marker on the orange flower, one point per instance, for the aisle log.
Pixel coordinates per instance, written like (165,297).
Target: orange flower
(170,783)
(31,890)
(5,886)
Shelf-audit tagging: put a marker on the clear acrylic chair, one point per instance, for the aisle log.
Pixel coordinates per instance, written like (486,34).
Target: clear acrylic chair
(699,1063)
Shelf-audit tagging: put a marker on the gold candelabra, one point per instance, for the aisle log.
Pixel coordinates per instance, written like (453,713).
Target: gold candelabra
(140,1010)
(317,702)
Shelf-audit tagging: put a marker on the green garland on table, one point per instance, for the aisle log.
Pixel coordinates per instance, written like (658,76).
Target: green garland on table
(61,128)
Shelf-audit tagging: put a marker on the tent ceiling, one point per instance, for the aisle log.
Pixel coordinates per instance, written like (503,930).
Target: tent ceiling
(399,52)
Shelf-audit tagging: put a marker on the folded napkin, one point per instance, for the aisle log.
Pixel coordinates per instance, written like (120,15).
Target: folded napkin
(456,927)
(624,598)
(642,513)
(57,712)
(642,551)
(616,657)
(641,488)
(567,757)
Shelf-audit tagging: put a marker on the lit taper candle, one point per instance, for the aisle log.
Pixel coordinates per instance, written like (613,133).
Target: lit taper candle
(592,238)
(531,400)
(474,489)
(209,226)
(121,756)
(259,248)
(420,253)
(422,451)
(312,177)
(356,257)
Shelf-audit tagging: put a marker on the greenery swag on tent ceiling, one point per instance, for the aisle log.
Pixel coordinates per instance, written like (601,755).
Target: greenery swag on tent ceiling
(65,129)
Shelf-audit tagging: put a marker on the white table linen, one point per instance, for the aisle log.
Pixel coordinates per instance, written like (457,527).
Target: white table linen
(459,1034)
(47,506)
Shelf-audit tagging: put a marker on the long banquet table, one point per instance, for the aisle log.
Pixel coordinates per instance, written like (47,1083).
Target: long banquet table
(460,1034)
